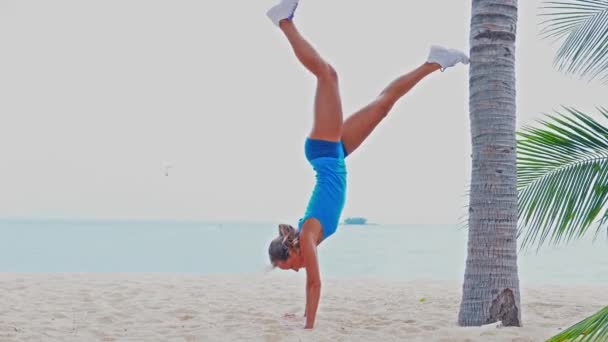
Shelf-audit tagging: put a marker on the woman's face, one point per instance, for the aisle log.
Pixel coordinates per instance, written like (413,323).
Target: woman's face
(294,262)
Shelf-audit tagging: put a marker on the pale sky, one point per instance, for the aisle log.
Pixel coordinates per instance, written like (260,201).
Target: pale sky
(98,97)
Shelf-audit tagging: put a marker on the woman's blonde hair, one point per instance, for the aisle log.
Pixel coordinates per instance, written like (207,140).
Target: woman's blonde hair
(280,246)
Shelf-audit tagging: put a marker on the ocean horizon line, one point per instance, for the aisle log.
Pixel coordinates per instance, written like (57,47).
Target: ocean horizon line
(81,219)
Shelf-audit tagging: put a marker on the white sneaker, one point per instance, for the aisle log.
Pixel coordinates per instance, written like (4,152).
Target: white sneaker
(446,57)
(284,10)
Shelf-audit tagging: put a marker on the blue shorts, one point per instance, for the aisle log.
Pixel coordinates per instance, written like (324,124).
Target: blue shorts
(329,194)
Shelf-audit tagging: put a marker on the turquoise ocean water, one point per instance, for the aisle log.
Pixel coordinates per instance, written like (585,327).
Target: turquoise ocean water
(380,251)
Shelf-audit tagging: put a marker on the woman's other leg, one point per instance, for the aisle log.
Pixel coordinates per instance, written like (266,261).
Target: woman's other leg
(360,125)
(328,107)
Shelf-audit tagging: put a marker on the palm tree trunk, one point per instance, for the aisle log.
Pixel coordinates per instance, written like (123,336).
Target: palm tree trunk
(491,283)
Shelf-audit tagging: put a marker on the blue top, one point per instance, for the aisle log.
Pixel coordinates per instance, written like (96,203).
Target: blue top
(329,195)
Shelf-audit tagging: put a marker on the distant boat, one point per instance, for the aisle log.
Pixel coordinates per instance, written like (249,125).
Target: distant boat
(355,220)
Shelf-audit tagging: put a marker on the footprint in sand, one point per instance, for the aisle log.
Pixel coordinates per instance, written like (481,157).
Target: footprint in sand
(105,320)
(429,327)
(103,336)
(87,298)
(185,317)
(273,338)
(411,330)
(60,315)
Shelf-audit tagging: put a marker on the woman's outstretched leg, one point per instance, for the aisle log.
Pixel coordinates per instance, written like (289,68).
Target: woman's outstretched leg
(328,107)
(360,124)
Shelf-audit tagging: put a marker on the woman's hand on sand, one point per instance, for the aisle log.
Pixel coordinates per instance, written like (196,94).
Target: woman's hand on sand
(295,321)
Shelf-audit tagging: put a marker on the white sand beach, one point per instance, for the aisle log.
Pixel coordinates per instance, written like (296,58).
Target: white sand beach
(176,307)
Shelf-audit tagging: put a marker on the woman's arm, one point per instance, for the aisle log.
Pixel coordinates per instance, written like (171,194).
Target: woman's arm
(313,278)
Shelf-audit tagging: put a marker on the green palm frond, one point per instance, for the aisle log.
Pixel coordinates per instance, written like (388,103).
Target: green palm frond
(592,329)
(562,177)
(584,24)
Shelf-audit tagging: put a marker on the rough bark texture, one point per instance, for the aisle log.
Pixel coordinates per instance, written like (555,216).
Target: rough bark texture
(491,283)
